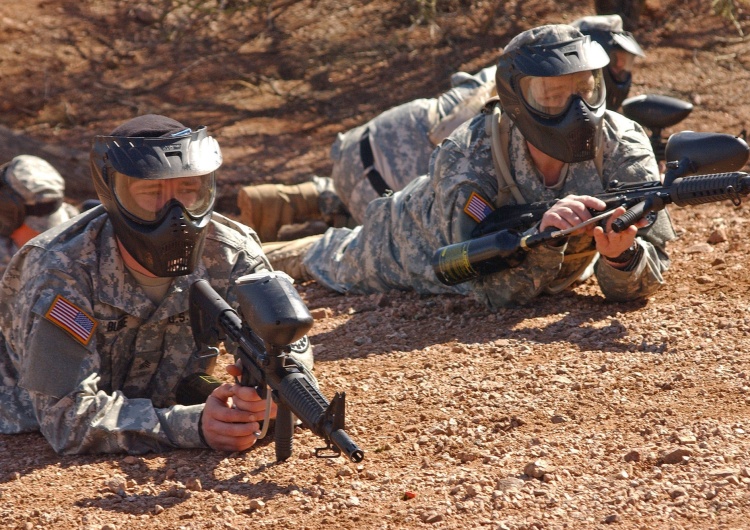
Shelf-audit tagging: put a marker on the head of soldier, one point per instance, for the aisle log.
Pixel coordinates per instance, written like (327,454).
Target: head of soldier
(549,81)
(31,198)
(622,49)
(156,179)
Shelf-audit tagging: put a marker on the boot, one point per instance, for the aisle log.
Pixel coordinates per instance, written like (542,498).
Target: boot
(267,207)
(287,256)
(300,230)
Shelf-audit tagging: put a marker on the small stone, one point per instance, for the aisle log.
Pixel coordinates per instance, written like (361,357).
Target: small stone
(677,492)
(537,468)
(686,440)
(320,313)
(353,501)
(509,483)
(257,504)
(194,484)
(158,509)
(699,248)
(344,472)
(676,456)
(557,418)
(717,236)
(633,456)
(613,518)
(118,484)
(431,517)
(723,472)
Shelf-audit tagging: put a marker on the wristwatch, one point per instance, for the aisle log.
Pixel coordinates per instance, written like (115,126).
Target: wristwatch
(627,255)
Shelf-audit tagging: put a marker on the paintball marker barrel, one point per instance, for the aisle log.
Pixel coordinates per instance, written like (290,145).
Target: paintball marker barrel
(688,191)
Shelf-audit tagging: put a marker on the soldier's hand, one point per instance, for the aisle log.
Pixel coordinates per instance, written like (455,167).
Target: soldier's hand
(231,417)
(612,244)
(571,211)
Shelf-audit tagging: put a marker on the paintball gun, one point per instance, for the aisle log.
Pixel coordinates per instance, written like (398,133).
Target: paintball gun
(702,168)
(275,317)
(656,113)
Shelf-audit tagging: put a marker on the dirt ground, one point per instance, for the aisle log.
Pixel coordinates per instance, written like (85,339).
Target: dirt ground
(570,413)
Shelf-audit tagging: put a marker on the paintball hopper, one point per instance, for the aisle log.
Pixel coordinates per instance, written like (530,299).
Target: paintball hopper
(656,112)
(694,153)
(282,318)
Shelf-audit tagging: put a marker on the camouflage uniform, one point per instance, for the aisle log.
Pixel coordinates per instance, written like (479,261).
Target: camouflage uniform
(394,247)
(110,388)
(7,249)
(402,139)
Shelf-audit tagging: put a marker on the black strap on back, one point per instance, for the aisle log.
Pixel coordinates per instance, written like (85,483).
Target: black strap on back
(368,162)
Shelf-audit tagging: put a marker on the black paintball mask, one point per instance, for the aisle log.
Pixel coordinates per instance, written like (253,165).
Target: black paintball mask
(550,82)
(622,49)
(158,190)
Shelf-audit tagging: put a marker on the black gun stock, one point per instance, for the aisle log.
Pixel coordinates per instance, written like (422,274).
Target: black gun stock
(276,317)
(502,239)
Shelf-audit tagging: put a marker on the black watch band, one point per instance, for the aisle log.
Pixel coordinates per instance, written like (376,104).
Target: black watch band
(627,255)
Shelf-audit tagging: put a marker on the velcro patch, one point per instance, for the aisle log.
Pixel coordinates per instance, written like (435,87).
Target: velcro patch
(477,208)
(300,346)
(72,319)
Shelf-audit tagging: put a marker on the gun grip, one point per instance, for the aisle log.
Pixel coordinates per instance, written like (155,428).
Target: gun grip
(284,432)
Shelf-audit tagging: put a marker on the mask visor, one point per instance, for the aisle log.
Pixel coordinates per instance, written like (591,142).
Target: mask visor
(144,199)
(551,96)
(620,65)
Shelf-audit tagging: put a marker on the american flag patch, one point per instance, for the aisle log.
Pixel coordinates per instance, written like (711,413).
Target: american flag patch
(477,208)
(69,317)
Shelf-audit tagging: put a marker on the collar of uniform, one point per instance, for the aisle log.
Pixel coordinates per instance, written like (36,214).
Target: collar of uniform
(118,288)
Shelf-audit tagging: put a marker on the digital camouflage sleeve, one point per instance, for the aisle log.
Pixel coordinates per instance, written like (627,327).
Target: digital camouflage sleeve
(87,358)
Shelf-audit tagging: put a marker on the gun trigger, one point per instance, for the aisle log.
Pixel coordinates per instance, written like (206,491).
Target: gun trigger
(207,353)
(266,415)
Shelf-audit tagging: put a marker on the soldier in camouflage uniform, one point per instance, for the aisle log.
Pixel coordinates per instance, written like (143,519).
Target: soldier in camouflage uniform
(31,201)
(369,161)
(96,332)
(560,134)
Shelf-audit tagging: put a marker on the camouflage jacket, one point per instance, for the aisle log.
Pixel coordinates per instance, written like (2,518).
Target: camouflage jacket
(402,139)
(87,358)
(7,249)
(393,249)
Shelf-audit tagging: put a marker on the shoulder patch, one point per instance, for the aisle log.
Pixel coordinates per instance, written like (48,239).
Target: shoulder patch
(300,346)
(72,319)
(477,208)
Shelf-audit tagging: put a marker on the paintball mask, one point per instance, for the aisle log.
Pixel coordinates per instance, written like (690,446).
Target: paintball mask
(158,190)
(550,82)
(622,49)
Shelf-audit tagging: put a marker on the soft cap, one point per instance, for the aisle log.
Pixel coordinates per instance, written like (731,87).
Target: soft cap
(550,34)
(37,182)
(151,126)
